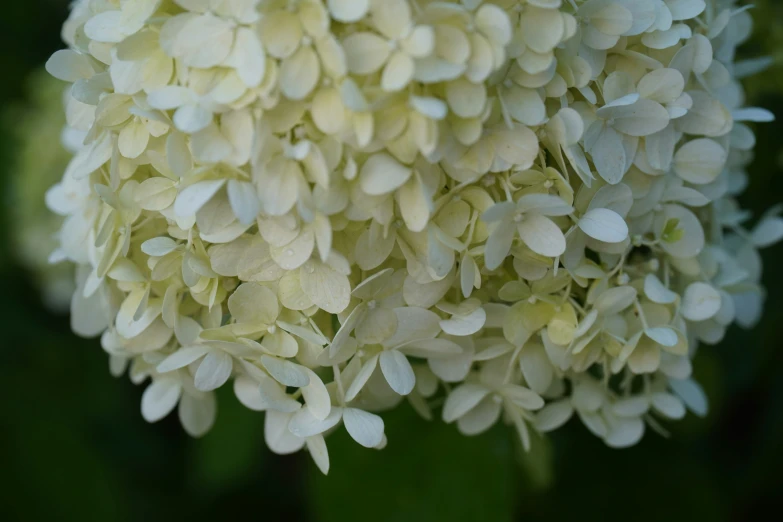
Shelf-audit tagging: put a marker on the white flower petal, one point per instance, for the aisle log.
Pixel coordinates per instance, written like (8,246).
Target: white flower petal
(69,66)
(662,335)
(768,232)
(656,292)
(691,394)
(609,156)
(197,415)
(536,367)
(105,27)
(326,287)
(304,424)
(299,73)
(348,10)
(522,397)
(463,325)
(554,415)
(248,57)
(499,244)
(382,174)
(361,378)
(462,399)
(541,235)
(317,397)
(285,372)
(316,445)
(753,114)
(480,418)
(465,98)
(214,371)
(363,427)
(328,111)
(277,436)
(191,119)
(700,161)
(244,201)
(248,392)
(192,198)
(398,72)
(190,41)
(685,9)
(414,324)
(398,371)
(604,225)
(700,302)
(159,398)
(668,405)
(254,304)
(365,53)
(624,432)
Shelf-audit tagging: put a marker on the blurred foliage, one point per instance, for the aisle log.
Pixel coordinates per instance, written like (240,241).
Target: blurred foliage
(767,42)
(73,445)
(429,471)
(37,122)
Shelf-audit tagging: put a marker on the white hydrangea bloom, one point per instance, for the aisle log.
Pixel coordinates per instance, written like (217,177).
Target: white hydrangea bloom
(526,206)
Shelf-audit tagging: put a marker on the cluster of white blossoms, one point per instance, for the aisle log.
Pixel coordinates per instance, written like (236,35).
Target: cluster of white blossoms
(519,209)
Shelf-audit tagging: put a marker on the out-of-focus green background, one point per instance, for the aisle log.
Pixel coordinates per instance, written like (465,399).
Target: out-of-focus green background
(73,445)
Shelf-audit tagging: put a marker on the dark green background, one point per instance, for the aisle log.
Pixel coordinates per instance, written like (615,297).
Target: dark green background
(73,445)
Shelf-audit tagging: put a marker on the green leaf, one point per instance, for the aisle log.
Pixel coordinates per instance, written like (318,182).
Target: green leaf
(672,234)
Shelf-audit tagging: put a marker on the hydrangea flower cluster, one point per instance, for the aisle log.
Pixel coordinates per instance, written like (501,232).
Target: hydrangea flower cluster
(521,209)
